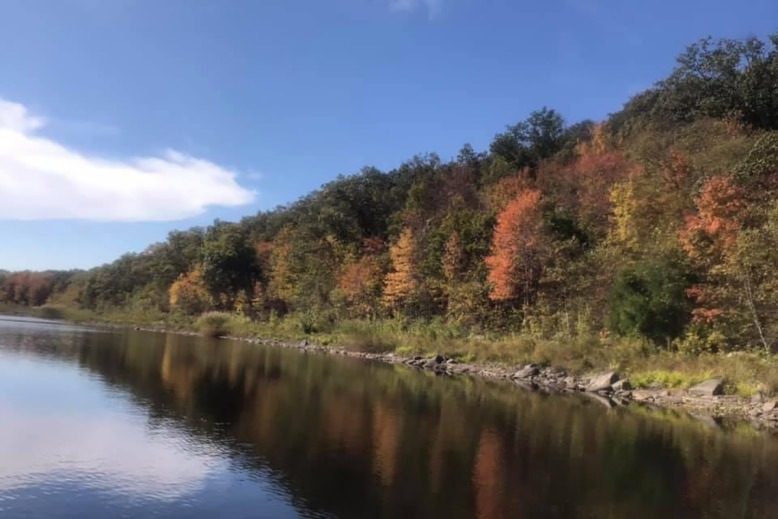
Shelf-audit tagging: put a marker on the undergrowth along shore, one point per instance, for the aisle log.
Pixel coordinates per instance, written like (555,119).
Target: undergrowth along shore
(646,365)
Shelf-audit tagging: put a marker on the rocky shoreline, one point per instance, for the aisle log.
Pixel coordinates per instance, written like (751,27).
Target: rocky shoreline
(705,401)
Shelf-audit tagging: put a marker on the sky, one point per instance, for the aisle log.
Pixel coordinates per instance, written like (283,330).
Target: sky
(121,120)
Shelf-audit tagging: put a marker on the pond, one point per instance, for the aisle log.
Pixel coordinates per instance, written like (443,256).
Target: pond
(123,423)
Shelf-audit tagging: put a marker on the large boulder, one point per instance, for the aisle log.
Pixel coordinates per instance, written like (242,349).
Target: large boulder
(712,387)
(603,381)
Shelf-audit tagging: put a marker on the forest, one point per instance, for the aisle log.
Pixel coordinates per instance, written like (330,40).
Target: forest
(656,227)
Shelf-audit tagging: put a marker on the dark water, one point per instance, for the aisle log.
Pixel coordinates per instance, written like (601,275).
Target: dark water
(129,424)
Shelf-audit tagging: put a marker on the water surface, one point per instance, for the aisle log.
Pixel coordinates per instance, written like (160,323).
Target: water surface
(97,423)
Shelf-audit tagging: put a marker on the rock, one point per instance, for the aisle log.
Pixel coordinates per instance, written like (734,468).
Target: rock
(558,372)
(712,387)
(770,405)
(603,381)
(439,359)
(528,371)
(621,385)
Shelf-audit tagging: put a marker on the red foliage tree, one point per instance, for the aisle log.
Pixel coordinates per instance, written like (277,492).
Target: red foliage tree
(514,264)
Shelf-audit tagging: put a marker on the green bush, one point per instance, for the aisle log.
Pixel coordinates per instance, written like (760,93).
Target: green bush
(649,300)
(214,324)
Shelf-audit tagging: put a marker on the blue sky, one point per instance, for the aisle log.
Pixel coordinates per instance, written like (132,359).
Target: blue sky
(181,111)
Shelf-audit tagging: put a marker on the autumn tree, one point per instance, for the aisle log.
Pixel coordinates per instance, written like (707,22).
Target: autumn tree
(453,258)
(28,288)
(625,227)
(736,295)
(713,228)
(465,237)
(583,187)
(515,262)
(189,293)
(402,282)
(360,283)
(304,266)
(710,239)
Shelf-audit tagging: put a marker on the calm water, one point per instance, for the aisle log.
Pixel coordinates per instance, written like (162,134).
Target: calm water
(131,424)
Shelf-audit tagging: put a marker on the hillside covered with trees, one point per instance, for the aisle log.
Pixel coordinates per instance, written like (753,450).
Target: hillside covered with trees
(659,223)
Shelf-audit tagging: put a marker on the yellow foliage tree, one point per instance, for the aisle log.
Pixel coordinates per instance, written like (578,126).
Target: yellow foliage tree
(402,282)
(452,258)
(360,283)
(624,230)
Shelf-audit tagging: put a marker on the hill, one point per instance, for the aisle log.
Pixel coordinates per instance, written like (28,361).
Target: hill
(654,231)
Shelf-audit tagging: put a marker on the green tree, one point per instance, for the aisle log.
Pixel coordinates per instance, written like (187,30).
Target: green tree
(649,299)
(528,142)
(229,263)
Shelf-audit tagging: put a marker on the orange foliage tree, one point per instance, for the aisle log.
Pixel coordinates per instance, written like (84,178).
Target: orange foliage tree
(189,293)
(714,227)
(402,282)
(708,236)
(360,283)
(514,264)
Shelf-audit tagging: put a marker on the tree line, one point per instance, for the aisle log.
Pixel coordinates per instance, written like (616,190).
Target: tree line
(660,222)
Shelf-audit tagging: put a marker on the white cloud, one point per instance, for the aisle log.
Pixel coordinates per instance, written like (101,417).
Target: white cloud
(433,6)
(41,179)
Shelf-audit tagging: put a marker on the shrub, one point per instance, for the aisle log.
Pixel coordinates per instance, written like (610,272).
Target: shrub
(698,340)
(213,324)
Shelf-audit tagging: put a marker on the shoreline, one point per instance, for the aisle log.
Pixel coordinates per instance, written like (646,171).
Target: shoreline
(608,388)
